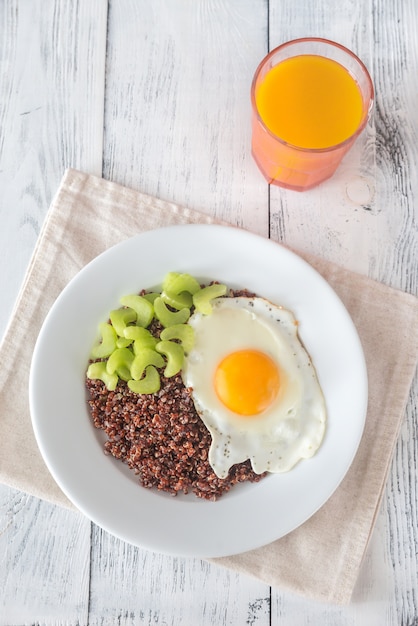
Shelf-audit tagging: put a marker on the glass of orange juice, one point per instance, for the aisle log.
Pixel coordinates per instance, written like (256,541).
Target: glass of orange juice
(311,98)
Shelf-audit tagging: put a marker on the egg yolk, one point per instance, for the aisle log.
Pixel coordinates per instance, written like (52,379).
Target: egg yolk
(247,382)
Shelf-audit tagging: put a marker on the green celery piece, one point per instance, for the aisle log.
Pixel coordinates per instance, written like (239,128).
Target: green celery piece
(141,337)
(167,317)
(120,362)
(178,283)
(98,371)
(175,356)
(120,318)
(149,384)
(143,344)
(202,299)
(177,301)
(123,342)
(107,344)
(151,296)
(143,308)
(178,289)
(145,357)
(183,332)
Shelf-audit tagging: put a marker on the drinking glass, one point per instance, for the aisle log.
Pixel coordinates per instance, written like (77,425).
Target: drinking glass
(292,163)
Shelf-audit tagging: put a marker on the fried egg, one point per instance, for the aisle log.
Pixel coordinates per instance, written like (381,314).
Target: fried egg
(254,386)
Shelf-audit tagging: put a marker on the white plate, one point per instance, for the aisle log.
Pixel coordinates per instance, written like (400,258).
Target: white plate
(251,515)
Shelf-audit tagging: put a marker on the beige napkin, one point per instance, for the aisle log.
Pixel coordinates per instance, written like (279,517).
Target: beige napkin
(321,559)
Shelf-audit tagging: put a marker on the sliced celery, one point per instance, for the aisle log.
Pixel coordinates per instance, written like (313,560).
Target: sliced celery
(145,357)
(120,362)
(132,352)
(143,308)
(202,299)
(178,290)
(98,371)
(167,317)
(151,296)
(141,337)
(177,301)
(149,384)
(178,283)
(107,344)
(183,332)
(175,356)
(123,342)
(120,318)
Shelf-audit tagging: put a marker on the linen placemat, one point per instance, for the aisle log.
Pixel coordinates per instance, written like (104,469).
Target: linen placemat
(320,559)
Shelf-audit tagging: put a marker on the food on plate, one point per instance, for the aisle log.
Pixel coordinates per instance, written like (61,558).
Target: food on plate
(133,354)
(199,387)
(254,386)
(161,438)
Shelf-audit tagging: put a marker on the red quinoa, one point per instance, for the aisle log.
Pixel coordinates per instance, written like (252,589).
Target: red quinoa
(161,438)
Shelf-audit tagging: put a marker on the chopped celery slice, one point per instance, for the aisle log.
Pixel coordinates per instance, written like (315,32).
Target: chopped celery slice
(146,357)
(178,290)
(151,296)
(202,299)
(178,283)
(149,384)
(132,352)
(175,356)
(123,342)
(120,362)
(141,337)
(107,344)
(120,318)
(183,332)
(144,344)
(167,317)
(177,301)
(143,308)
(98,371)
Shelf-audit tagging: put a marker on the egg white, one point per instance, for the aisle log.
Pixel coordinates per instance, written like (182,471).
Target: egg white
(293,426)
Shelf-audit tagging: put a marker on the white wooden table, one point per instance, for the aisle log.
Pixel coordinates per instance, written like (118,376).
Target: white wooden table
(155,95)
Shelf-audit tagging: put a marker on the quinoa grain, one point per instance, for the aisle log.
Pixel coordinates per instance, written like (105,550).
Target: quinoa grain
(161,438)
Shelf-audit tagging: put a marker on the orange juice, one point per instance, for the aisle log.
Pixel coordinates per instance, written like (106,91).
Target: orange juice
(310,101)
(311,98)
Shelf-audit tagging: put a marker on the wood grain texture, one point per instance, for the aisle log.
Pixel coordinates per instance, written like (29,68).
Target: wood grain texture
(177,119)
(51,117)
(365,219)
(397,156)
(158,94)
(45,562)
(134,586)
(166,135)
(336,217)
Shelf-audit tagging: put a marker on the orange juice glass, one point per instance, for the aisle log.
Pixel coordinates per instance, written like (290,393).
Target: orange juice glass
(311,98)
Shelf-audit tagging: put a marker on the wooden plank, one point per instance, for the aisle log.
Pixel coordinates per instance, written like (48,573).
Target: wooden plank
(51,117)
(339,215)
(178,104)
(134,586)
(166,134)
(373,602)
(365,219)
(45,566)
(177,126)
